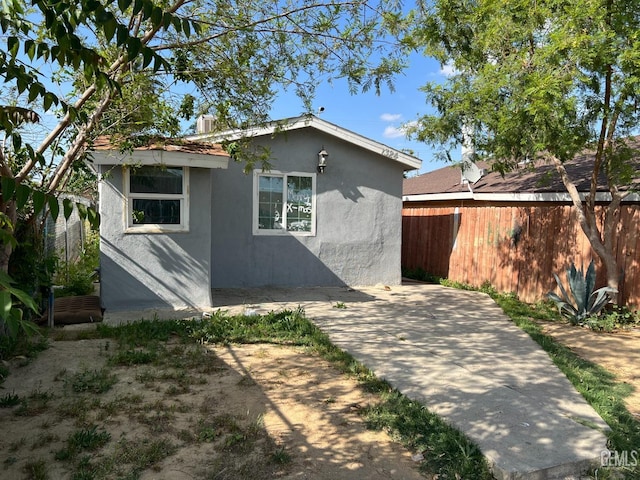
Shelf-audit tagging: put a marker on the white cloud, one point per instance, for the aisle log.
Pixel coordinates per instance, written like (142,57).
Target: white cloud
(397,132)
(390,117)
(448,69)
(393,132)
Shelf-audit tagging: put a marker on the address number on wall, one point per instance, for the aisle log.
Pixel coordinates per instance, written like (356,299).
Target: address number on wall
(387,152)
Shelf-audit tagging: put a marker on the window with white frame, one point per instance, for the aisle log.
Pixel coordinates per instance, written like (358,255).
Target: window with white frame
(157,199)
(284,203)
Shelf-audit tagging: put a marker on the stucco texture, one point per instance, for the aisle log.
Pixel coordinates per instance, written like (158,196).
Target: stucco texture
(165,271)
(358,229)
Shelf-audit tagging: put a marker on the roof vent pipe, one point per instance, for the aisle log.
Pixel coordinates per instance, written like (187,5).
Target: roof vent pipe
(205,124)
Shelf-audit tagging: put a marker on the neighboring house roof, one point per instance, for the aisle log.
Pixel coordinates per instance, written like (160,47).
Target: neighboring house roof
(527,183)
(311,121)
(159,150)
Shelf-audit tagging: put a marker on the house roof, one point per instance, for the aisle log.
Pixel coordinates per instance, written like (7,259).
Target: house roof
(529,182)
(311,121)
(161,151)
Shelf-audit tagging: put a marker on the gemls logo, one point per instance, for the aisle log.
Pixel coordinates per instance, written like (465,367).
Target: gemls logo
(624,459)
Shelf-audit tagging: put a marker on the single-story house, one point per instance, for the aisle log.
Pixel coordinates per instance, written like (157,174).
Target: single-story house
(514,231)
(180,218)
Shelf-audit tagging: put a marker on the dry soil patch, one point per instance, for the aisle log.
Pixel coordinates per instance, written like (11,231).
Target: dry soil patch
(618,352)
(253,411)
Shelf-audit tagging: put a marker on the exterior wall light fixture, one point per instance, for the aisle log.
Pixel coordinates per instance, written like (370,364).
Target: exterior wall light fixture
(322,160)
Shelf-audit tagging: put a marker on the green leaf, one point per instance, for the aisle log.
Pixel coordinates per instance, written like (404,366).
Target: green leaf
(109,28)
(30,49)
(40,158)
(67,206)
(16,139)
(94,218)
(147,57)
(5,304)
(49,99)
(43,51)
(13,44)
(34,91)
(186,27)
(8,187)
(82,210)
(147,9)
(166,20)
(24,297)
(177,23)
(137,6)
(22,195)
(54,206)
(39,199)
(5,280)
(123,5)
(156,16)
(122,35)
(133,47)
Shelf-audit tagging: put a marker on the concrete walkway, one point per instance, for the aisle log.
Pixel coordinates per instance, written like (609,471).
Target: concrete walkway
(457,353)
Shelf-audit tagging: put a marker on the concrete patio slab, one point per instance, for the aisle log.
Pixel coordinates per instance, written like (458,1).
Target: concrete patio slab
(456,352)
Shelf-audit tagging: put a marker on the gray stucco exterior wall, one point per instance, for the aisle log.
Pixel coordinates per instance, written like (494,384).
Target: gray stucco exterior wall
(358,229)
(153,270)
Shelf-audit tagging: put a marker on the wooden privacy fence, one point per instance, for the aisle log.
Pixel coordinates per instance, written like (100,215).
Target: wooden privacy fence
(516,248)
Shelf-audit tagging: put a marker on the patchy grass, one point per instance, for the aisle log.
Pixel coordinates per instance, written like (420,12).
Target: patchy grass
(447,452)
(598,386)
(114,433)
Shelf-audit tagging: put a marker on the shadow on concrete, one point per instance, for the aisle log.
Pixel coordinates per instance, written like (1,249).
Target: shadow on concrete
(456,352)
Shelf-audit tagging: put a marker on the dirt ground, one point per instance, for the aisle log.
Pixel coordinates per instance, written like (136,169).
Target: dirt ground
(618,352)
(257,411)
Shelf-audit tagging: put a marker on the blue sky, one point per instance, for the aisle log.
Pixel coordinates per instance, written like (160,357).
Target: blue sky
(377,117)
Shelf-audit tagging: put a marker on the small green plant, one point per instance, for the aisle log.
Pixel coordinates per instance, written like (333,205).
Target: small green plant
(616,319)
(281,456)
(340,305)
(36,470)
(584,301)
(92,381)
(9,400)
(34,404)
(207,433)
(86,439)
(133,357)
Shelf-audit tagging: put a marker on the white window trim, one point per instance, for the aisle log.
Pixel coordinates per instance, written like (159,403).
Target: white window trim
(283,231)
(183,226)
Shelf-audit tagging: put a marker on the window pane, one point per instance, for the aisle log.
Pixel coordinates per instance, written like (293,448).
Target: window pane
(299,207)
(270,202)
(148,211)
(156,180)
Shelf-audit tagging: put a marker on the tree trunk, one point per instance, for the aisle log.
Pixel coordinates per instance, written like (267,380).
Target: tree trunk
(9,209)
(604,248)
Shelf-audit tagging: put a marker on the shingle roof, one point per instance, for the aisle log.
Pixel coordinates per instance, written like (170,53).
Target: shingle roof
(542,179)
(167,145)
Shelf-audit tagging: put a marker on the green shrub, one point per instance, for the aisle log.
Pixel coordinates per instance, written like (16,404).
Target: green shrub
(615,319)
(76,278)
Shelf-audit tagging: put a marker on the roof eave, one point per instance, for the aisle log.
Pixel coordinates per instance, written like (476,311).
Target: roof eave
(514,197)
(158,157)
(408,161)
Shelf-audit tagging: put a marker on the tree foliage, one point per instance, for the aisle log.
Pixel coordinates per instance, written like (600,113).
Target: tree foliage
(541,80)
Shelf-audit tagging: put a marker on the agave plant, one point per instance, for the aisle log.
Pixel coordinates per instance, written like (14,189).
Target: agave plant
(583,302)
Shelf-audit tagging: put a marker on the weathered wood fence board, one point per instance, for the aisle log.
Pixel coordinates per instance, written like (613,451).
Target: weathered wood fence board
(517,248)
